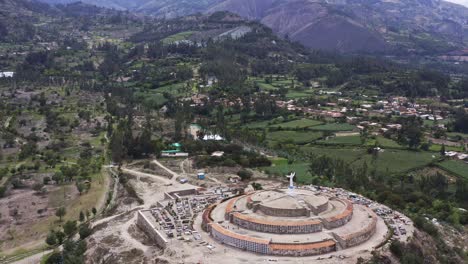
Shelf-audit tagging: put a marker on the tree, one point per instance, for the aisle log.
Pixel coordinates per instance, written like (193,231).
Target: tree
(58,177)
(257,186)
(69,228)
(51,239)
(85,231)
(82,216)
(116,145)
(245,174)
(61,211)
(60,236)
(55,258)
(80,187)
(461,192)
(442,150)
(94,211)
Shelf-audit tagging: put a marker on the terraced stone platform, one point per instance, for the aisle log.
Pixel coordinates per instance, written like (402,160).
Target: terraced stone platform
(289,223)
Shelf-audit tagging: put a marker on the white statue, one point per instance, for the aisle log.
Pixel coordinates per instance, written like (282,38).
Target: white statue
(291,180)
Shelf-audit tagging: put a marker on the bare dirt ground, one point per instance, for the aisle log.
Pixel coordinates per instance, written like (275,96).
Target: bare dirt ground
(116,238)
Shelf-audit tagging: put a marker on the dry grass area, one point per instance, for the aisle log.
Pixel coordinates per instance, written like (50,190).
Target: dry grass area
(28,229)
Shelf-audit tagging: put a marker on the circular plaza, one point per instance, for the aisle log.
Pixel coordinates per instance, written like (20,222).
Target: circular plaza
(290,222)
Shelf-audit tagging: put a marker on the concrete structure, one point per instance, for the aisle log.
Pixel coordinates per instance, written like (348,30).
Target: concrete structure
(289,223)
(146,225)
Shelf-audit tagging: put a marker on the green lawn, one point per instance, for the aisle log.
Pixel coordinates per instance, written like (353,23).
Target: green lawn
(296,137)
(456,167)
(347,140)
(302,123)
(334,127)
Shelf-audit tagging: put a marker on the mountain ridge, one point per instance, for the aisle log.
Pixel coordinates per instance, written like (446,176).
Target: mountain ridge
(398,27)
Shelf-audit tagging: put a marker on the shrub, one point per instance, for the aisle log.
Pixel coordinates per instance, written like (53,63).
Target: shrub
(396,248)
(51,239)
(85,231)
(245,174)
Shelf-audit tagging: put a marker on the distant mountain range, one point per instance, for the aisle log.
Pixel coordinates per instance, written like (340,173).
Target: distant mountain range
(393,27)
(460,2)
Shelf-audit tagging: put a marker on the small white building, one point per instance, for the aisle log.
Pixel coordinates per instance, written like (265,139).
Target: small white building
(7,74)
(215,137)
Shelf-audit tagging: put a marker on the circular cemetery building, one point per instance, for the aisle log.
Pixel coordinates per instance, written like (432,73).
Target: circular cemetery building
(288,222)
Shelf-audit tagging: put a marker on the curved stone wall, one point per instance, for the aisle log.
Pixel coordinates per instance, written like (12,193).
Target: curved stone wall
(340,219)
(206,218)
(359,237)
(224,221)
(264,246)
(239,241)
(283,212)
(306,249)
(277,227)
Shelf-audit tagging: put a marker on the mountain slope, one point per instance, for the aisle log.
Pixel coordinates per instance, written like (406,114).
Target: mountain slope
(361,25)
(394,27)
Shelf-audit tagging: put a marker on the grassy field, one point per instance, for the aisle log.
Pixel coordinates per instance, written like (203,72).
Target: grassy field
(459,168)
(396,161)
(37,232)
(301,123)
(438,148)
(334,127)
(177,37)
(297,137)
(283,168)
(346,154)
(258,125)
(348,140)
(293,94)
(455,134)
(384,143)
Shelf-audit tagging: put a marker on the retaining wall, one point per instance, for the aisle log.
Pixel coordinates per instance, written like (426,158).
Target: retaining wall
(306,249)
(353,239)
(239,241)
(145,224)
(276,227)
(340,219)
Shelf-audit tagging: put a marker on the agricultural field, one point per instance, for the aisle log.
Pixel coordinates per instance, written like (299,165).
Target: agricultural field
(296,137)
(178,37)
(346,140)
(392,161)
(334,127)
(456,167)
(384,142)
(348,154)
(438,148)
(297,124)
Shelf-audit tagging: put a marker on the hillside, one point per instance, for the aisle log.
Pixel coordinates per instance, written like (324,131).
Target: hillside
(422,26)
(394,27)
